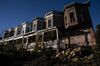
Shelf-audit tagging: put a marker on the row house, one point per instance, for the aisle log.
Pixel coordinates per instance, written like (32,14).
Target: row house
(78,24)
(54,18)
(57,29)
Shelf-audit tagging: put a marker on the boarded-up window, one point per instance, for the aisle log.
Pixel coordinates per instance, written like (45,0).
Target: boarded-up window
(72,18)
(49,23)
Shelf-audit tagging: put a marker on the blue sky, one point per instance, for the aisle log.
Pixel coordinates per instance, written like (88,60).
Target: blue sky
(14,12)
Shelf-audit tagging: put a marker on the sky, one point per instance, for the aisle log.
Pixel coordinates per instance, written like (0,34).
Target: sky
(15,12)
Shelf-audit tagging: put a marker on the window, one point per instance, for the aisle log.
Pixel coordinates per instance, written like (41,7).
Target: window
(11,33)
(19,32)
(22,31)
(6,34)
(34,26)
(81,17)
(49,23)
(40,26)
(29,29)
(72,18)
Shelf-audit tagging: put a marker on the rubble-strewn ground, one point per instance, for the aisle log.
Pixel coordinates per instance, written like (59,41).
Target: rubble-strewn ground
(84,56)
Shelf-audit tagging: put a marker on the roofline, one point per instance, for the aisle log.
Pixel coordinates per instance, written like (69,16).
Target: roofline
(53,12)
(26,22)
(36,18)
(86,3)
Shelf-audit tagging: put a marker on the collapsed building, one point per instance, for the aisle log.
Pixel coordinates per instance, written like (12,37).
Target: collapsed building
(57,29)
